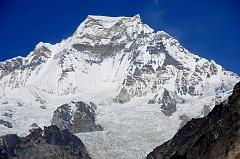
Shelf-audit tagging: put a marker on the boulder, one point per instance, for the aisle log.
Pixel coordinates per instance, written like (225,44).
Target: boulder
(76,117)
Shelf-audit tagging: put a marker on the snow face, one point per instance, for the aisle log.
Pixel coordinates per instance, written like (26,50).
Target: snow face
(124,67)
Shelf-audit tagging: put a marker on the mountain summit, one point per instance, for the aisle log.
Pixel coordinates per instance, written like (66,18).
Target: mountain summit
(143,83)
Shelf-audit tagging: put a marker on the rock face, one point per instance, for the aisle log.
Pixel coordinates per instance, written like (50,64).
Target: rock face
(6,123)
(76,117)
(216,136)
(168,101)
(49,143)
(184,119)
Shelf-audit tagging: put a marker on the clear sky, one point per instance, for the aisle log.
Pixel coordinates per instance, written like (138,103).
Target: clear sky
(209,28)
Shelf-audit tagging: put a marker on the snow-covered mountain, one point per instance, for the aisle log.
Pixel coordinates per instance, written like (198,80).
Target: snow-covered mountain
(141,80)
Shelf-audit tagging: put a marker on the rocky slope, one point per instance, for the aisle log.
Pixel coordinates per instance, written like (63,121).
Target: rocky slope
(215,136)
(40,144)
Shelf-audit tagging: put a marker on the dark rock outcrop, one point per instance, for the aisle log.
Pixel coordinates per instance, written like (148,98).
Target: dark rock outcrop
(122,97)
(184,119)
(6,123)
(76,117)
(216,136)
(51,143)
(168,101)
(206,110)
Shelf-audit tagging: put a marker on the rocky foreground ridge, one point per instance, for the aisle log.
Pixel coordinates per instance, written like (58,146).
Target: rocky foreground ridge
(41,144)
(216,136)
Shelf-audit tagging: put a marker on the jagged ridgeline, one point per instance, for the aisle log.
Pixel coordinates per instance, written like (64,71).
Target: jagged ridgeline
(118,51)
(142,82)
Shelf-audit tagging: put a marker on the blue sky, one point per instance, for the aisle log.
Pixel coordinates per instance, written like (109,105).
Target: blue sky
(209,28)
